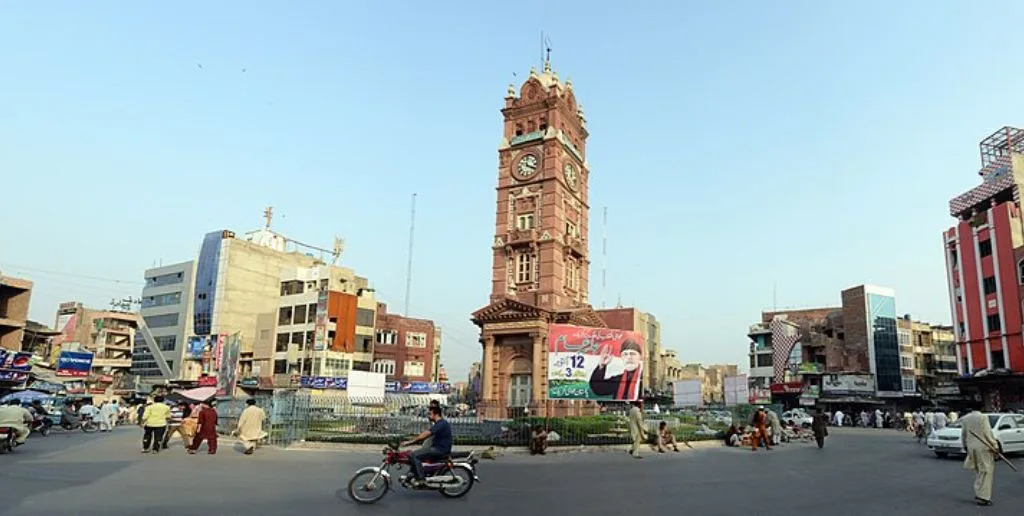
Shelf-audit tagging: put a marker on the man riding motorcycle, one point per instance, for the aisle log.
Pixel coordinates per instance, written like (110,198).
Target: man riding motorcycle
(68,416)
(441,433)
(42,416)
(17,418)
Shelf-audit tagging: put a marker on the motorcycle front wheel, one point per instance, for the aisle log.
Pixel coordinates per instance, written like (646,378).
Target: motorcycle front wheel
(89,427)
(465,483)
(361,491)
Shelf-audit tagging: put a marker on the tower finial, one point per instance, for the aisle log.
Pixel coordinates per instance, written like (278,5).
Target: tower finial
(511,92)
(547,52)
(269,215)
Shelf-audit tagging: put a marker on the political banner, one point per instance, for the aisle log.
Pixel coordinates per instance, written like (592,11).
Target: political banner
(594,363)
(320,320)
(227,372)
(72,363)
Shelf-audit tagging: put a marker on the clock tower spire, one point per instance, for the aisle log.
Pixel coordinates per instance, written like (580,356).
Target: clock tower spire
(541,232)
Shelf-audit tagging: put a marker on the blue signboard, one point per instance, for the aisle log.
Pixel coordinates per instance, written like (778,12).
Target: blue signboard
(71,363)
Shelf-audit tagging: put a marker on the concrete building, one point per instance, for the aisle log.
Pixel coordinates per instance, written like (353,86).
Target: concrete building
(235,287)
(869,323)
(15,295)
(540,265)
(406,347)
(38,339)
(109,335)
(671,370)
(985,260)
(166,313)
(323,326)
(632,319)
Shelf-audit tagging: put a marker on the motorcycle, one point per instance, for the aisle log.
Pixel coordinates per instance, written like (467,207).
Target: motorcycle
(41,425)
(452,477)
(85,423)
(6,439)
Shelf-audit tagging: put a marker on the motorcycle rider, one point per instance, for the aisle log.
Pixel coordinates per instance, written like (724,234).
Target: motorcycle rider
(68,415)
(42,418)
(17,418)
(441,448)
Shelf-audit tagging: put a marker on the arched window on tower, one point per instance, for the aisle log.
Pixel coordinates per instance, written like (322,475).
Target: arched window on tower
(519,130)
(543,124)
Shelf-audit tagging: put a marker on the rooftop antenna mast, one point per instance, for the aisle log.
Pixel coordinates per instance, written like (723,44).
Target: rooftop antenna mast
(408,265)
(545,51)
(268,214)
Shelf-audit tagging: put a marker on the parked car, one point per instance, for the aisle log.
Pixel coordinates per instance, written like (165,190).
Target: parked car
(797,417)
(1008,429)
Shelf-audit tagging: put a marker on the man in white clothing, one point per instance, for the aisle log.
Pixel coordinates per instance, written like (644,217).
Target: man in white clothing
(838,418)
(976,434)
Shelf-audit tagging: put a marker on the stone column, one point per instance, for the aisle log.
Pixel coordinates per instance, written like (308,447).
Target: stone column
(539,374)
(489,375)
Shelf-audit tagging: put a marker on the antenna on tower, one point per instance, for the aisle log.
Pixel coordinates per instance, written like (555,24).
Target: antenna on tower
(268,214)
(408,265)
(604,259)
(545,52)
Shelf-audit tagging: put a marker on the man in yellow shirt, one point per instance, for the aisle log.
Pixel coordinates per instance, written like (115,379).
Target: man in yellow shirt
(154,424)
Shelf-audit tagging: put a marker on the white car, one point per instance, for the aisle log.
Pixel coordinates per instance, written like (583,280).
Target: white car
(1008,429)
(797,418)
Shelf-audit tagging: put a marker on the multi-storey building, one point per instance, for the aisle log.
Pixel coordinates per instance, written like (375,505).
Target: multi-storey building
(649,328)
(166,312)
(323,326)
(985,260)
(671,370)
(406,347)
(107,334)
(234,287)
(15,294)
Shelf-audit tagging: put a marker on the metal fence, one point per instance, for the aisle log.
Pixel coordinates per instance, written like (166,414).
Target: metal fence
(303,415)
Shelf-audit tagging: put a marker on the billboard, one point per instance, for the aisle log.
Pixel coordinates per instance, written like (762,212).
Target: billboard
(195,347)
(321,321)
(363,384)
(737,390)
(73,363)
(14,365)
(687,393)
(594,363)
(227,365)
(848,384)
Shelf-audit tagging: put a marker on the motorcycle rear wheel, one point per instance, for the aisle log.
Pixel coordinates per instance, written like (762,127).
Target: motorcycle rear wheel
(466,484)
(89,427)
(359,483)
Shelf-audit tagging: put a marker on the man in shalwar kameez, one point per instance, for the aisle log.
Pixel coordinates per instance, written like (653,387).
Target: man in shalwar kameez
(250,426)
(979,441)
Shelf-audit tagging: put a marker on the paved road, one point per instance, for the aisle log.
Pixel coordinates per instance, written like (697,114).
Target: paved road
(859,472)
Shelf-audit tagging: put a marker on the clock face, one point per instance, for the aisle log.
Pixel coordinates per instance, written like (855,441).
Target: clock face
(527,166)
(570,176)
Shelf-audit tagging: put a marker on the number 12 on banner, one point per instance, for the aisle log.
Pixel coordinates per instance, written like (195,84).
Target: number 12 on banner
(575,362)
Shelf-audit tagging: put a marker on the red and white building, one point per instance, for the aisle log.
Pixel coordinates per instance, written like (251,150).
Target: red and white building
(985,260)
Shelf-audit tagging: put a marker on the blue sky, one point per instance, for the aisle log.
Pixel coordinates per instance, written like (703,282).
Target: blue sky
(737,145)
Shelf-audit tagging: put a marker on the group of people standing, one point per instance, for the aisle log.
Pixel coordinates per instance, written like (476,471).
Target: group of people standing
(196,424)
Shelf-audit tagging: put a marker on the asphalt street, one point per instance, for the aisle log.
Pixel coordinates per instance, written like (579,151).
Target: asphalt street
(858,472)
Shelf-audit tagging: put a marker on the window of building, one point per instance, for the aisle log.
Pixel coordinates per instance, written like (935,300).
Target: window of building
(161,300)
(284,316)
(299,314)
(387,337)
(524,222)
(764,360)
(909,385)
(906,362)
(572,230)
(413,368)
(572,273)
(997,360)
(524,267)
(985,248)
(281,367)
(384,366)
(310,338)
(166,279)
(993,323)
(365,317)
(415,339)
(904,338)
(166,343)
(290,288)
(282,342)
(311,313)
(953,258)
(161,321)
(989,285)
(364,344)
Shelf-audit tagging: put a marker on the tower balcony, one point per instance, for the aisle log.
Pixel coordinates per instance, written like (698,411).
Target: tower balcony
(576,245)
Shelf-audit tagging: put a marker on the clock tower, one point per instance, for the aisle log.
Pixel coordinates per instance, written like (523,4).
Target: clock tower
(540,264)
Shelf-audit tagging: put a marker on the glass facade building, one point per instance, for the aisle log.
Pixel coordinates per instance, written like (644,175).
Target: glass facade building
(883,345)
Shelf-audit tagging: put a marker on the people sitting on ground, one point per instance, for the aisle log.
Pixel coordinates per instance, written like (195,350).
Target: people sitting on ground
(666,438)
(732,436)
(538,441)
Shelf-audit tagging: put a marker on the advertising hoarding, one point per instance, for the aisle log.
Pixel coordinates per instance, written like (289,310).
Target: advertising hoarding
(594,363)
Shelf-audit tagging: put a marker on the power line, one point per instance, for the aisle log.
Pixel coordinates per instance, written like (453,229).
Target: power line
(68,274)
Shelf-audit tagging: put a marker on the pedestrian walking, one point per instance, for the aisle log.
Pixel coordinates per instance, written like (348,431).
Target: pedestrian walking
(179,412)
(207,430)
(636,430)
(154,424)
(776,425)
(819,425)
(250,426)
(979,441)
